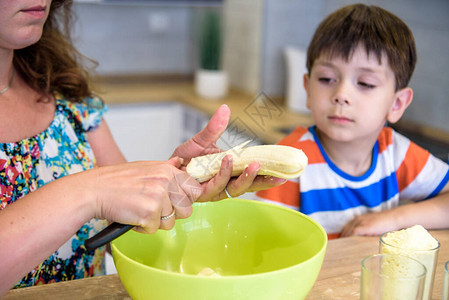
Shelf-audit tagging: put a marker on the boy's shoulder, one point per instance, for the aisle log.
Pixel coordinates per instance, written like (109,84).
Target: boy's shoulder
(385,138)
(391,139)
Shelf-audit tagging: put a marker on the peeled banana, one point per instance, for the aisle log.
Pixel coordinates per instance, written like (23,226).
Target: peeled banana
(275,160)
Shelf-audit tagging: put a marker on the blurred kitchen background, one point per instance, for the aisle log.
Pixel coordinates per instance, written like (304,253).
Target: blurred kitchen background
(159,39)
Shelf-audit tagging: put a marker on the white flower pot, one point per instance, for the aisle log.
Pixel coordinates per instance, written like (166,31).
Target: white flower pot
(211,84)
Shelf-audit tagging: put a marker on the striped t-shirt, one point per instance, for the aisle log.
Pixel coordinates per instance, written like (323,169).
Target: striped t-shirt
(400,172)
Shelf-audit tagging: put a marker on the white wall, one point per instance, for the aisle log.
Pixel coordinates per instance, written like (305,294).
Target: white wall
(136,39)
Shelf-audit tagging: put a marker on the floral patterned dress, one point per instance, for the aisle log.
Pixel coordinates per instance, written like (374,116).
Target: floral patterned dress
(60,150)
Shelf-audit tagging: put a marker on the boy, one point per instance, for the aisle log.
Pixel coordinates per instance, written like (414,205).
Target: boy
(359,63)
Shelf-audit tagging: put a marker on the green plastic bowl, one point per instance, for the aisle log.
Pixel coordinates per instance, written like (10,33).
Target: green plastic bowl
(260,250)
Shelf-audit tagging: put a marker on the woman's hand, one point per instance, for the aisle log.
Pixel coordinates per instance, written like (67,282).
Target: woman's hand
(140,193)
(205,143)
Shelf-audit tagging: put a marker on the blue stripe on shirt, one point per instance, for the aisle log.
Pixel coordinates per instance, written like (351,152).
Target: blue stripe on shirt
(345,198)
(440,186)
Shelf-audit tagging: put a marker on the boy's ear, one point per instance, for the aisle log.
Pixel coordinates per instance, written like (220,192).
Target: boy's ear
(305,82)
(402,100)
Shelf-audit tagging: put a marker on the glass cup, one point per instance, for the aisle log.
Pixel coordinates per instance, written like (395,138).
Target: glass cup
(392,276)
(446,282)
(427,257)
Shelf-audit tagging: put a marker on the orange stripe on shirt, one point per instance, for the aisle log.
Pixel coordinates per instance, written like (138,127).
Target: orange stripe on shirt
(287,193)
(414,161)
(312,151)
(332,236)
(385,139)
(293,137)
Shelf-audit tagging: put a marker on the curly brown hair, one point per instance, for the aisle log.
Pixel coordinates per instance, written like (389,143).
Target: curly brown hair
(376,29)
(53,64)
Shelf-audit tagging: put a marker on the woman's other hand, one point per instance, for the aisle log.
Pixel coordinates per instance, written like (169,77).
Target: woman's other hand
(205,142)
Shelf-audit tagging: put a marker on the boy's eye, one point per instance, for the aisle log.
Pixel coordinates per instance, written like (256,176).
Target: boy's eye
(325,79)
(366,85)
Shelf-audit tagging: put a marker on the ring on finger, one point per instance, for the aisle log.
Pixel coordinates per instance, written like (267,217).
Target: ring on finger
(227,193)
(169,216)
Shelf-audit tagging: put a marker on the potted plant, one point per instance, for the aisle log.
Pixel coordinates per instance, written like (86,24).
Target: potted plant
(211,81)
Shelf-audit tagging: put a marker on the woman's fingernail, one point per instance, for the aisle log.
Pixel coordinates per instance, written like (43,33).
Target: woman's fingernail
(278,180)
(230,160)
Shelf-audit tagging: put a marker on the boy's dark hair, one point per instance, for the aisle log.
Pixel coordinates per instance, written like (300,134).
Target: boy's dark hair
(372,27)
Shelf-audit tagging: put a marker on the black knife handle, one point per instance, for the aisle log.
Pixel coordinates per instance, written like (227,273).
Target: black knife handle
(111,232)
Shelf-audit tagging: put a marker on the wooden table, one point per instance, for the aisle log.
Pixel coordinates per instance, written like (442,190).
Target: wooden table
(339,277)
